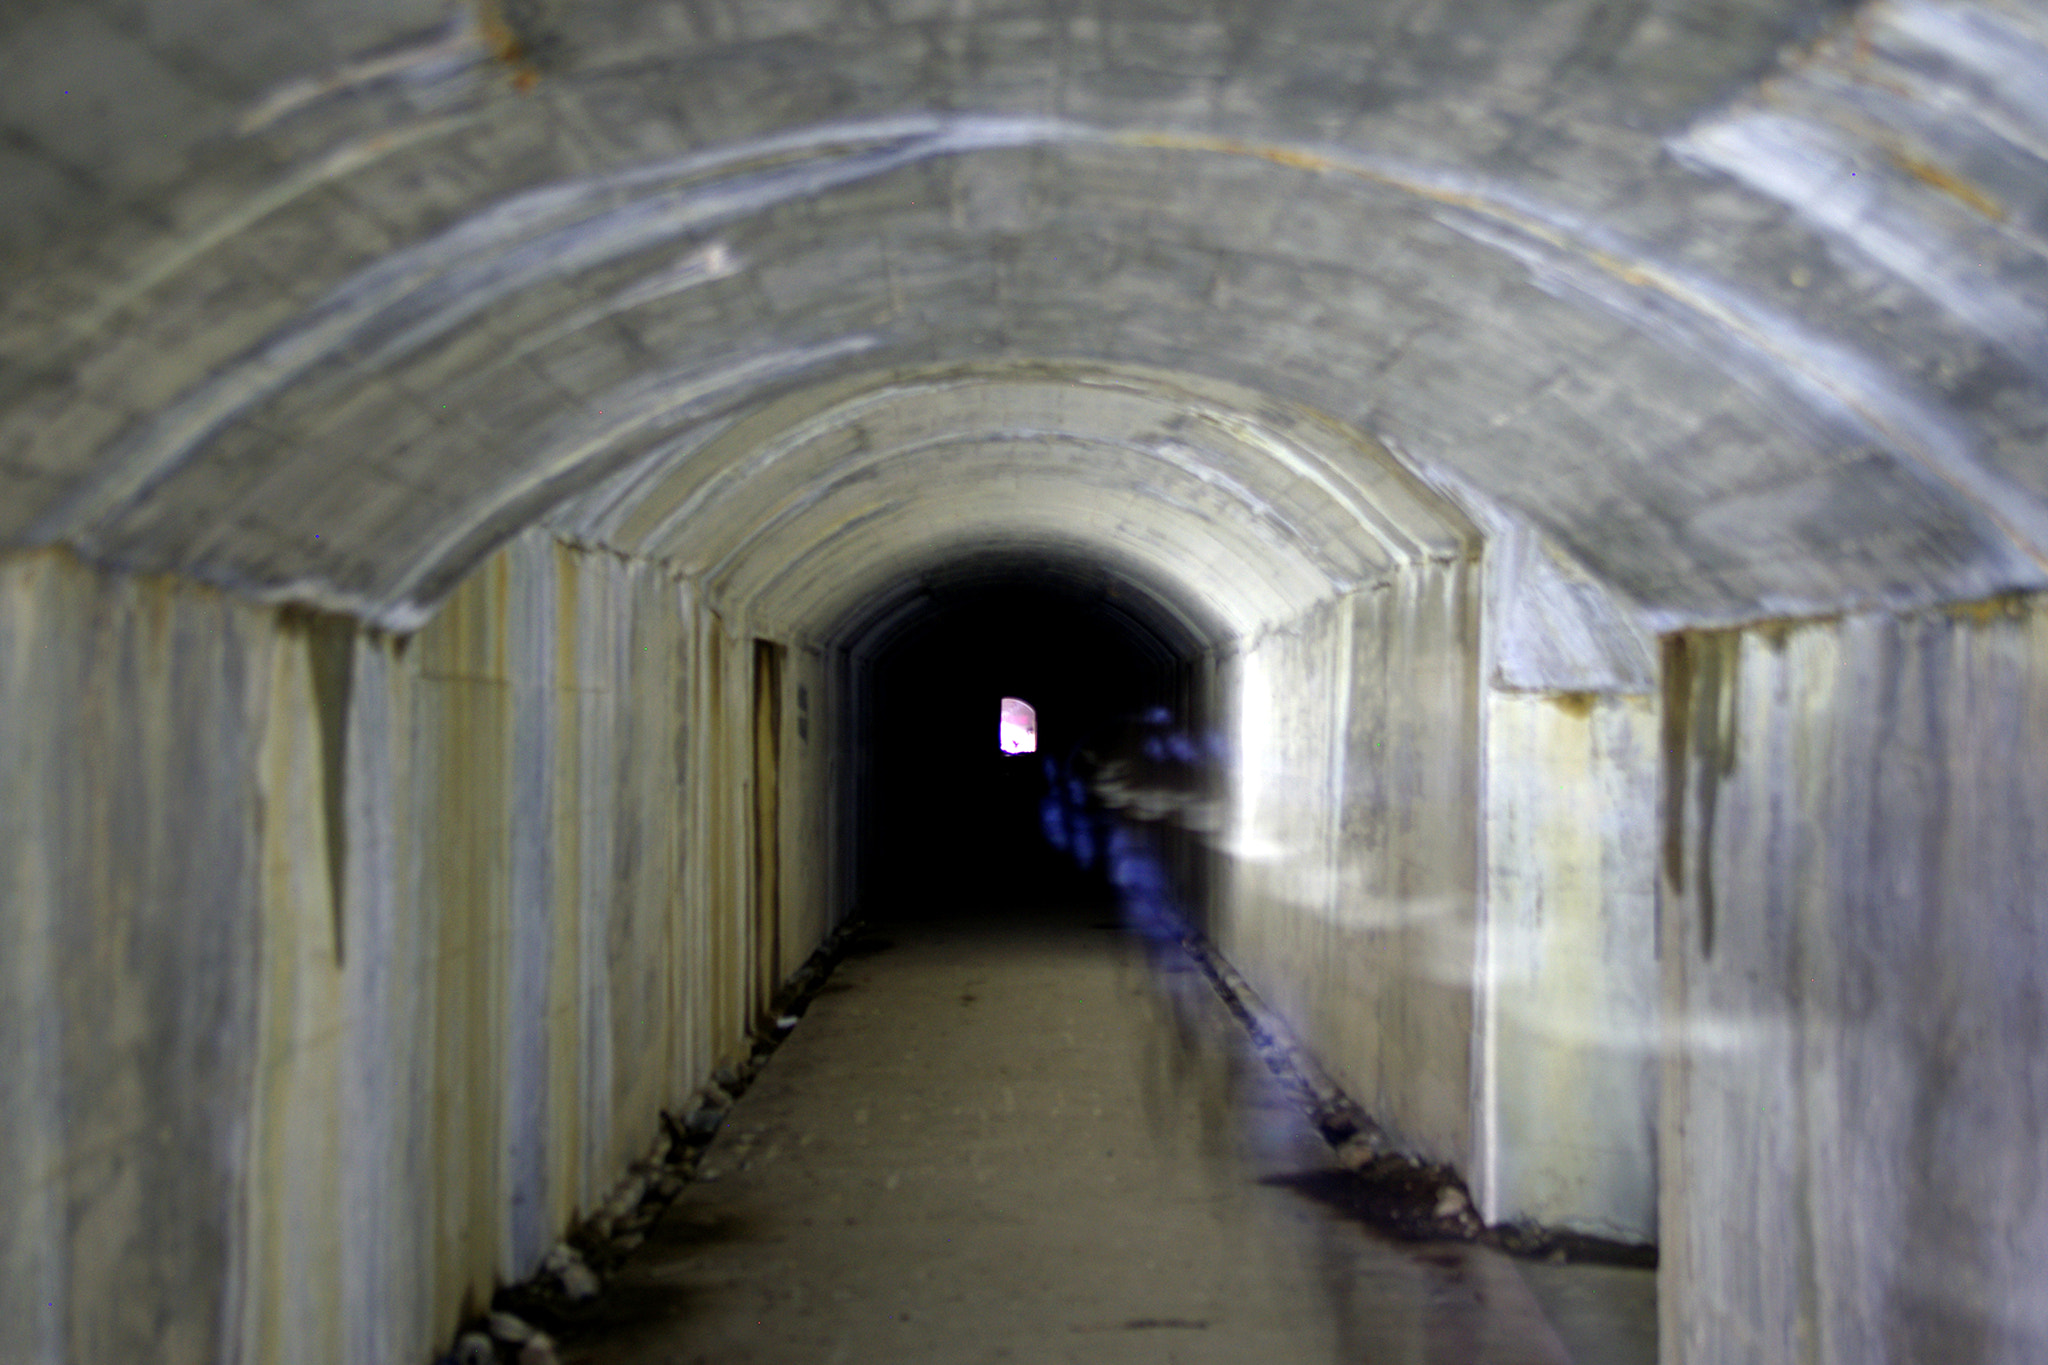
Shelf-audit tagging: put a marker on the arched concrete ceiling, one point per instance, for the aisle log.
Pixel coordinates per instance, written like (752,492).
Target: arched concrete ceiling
(1149,617)
(1739,311)
(1254,507)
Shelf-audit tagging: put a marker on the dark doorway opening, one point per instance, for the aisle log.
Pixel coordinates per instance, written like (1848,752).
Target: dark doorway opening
(958,828)
(770,659)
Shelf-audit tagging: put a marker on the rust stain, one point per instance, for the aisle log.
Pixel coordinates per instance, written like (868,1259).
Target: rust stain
(1629,272)
(1577,705)
(1636,274)
(1230,146)
(505,44)
(1301,160)
(2006,606)
(569,571)
(1700,741)
(1862,49)
(1676,672)
(1775,635)
(1777,631)
(329,642)
(497,611)
(1932,173)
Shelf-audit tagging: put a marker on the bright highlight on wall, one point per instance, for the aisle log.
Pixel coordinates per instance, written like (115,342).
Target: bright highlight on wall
(1018,732)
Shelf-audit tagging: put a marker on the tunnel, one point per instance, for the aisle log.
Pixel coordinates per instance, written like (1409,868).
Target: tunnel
(518,519)
(959,822)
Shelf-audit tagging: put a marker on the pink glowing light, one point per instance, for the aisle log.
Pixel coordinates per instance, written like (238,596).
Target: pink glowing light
(1018,732)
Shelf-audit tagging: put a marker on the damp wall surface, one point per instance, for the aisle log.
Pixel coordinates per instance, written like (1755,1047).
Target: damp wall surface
(1853,916)
(345,971)
(1448,892)
(132,893)
(1567,973)
(1354,917)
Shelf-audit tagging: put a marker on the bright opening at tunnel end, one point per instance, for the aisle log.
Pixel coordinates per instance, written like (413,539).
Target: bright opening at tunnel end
(1017,733)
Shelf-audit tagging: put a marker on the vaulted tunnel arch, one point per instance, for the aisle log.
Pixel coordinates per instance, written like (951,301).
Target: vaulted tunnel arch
(1582,464)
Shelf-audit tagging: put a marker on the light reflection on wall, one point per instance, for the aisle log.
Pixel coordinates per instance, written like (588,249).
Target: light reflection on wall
(1250,834)
(1018,731)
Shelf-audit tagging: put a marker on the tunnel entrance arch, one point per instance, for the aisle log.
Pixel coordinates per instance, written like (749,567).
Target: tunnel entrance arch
(1202,515)
(951,826)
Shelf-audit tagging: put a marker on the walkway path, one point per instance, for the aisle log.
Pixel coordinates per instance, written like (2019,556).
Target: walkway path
(992,1145)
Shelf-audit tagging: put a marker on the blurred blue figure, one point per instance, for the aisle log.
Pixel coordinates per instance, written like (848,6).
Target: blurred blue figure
(1114,803)
(1073,821)
(1137,870)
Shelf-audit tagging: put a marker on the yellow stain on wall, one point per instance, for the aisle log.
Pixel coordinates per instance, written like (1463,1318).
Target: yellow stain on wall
(294,1298)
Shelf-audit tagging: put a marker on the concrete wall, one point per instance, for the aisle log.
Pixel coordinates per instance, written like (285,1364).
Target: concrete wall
(817,879)
(1505,1023)
(344,971)
(132,896)
(1568,971)
(1852,925)
(1355,918)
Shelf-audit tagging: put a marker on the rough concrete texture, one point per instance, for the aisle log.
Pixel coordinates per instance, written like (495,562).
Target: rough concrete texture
(132,894)
(376,960)
(651,362)
(1355,916)
(813,513)
(1543,251)
(1031,1144)
(1569,1041)
(1852,873)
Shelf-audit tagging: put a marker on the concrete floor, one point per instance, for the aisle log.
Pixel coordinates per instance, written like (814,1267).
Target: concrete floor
(1002,1143)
